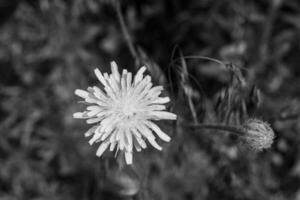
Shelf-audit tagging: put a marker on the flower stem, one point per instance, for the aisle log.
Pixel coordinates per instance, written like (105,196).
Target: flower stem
(232,129)
(125,31)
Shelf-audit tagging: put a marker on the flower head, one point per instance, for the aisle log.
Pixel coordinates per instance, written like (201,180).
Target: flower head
(258,134)
(122,114)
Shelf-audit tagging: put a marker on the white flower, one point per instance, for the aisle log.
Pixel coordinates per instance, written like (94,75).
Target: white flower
(122,114)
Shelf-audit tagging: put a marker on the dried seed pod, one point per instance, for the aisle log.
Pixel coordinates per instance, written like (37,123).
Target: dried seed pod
(258,134)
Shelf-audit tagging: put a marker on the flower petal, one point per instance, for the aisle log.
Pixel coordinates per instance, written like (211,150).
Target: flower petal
(90,131)
(93,120)
(128,157)
(139,75)
(112,146)
(128,137)
(100,76)
(159,132)
(114,70)
(161,100)
(154,144)
(163,115)
(103,146)
(80,115)
(81,93)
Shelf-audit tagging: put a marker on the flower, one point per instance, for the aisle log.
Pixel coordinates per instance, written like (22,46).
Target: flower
(124,112)
(258,134)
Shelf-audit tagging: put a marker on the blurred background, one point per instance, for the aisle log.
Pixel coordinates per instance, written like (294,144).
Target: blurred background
(50,48)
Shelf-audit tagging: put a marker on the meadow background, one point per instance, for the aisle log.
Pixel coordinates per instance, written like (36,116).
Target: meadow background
(50,48)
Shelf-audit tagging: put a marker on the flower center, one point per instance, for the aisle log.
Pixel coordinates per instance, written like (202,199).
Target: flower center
(126,109)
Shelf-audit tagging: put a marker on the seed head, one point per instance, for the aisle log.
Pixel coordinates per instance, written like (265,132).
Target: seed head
(258,134)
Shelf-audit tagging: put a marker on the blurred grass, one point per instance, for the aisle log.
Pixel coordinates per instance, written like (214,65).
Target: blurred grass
(50,48)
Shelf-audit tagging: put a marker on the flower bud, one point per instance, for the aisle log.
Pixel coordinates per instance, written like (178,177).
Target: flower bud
(258,134)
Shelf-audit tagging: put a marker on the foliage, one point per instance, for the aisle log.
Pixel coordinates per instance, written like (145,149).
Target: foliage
(50,48)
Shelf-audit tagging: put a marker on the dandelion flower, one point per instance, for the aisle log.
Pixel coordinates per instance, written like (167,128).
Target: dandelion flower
(123,113)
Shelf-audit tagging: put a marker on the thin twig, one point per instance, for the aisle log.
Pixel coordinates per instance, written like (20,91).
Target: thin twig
(125,32)
(200,57)
(266,34)
(187,88)
(232,129)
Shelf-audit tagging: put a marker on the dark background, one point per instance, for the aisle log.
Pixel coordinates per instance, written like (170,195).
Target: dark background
(50,48)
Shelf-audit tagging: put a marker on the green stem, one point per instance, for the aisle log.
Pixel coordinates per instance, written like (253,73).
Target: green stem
(232,129)
(125,31)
